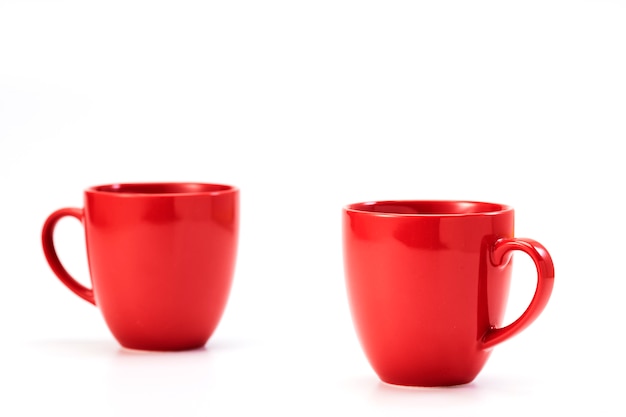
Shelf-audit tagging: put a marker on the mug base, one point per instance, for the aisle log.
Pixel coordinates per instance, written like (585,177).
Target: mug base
(161,349)
(427,382)
(162,346)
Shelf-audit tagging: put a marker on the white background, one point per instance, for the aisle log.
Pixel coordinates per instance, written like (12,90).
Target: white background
(308,106)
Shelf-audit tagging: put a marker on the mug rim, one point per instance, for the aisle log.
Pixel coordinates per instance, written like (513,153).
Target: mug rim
(457,208)
(161,189)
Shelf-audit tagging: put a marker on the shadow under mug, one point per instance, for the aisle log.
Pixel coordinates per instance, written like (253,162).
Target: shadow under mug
(428,283)
(161,258)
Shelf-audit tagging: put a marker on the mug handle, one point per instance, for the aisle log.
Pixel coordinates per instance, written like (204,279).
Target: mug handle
(52,257)
(545,283)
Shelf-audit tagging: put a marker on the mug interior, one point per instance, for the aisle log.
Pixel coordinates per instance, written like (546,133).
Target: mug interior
(162,188)
(428,207)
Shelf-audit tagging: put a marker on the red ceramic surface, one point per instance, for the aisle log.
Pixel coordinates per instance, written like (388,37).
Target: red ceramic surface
(161,258)
(428,283)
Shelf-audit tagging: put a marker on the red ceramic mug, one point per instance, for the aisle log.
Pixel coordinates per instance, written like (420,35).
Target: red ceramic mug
(161,258)
(428,283)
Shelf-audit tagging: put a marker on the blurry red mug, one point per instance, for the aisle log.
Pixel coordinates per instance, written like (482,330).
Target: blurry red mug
(428,283)
(161,258)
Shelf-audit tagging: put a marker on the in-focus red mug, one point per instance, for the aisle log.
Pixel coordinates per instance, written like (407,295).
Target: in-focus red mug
(428,283)
(161,258)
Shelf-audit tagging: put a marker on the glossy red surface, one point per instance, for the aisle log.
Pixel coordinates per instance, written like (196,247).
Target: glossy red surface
(428,283)
(161,258)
